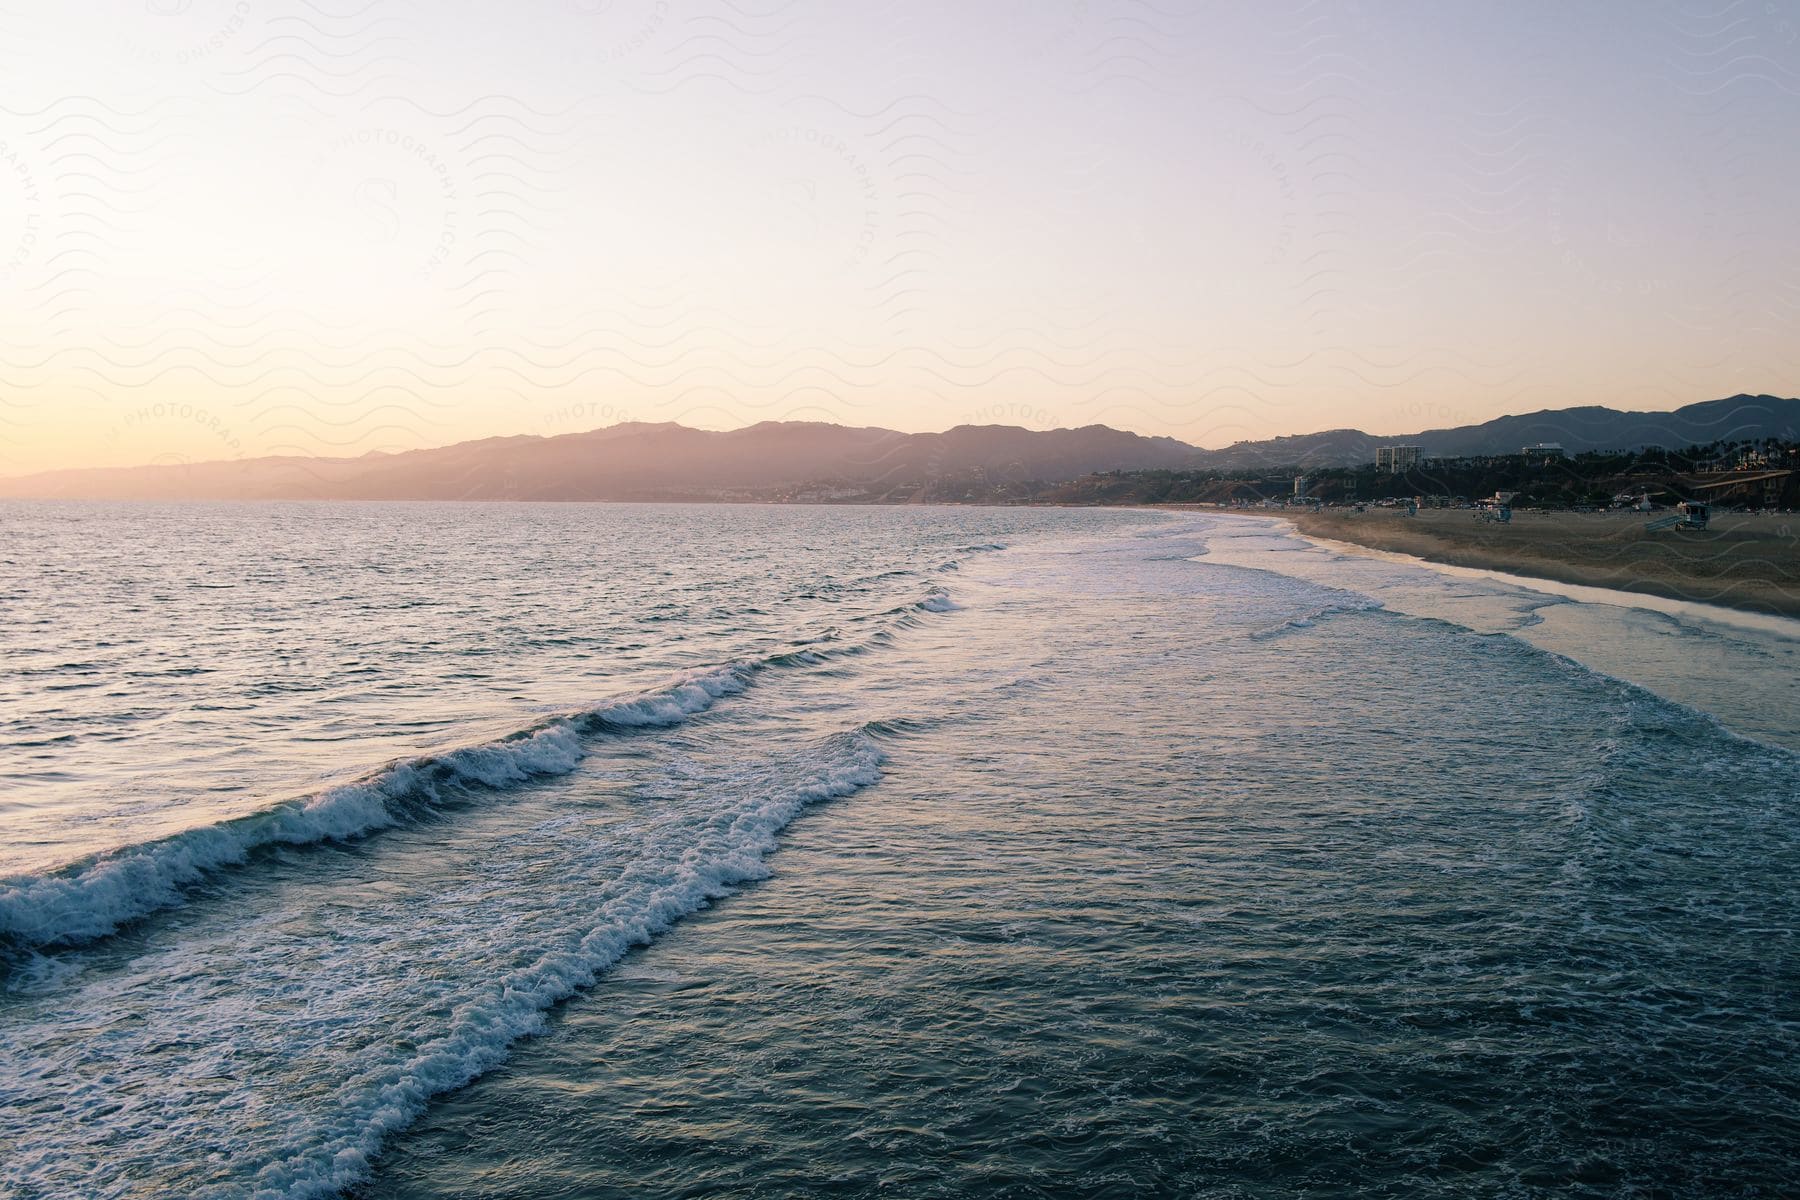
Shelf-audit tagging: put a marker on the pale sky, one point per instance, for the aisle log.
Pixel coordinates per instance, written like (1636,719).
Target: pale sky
(239,227)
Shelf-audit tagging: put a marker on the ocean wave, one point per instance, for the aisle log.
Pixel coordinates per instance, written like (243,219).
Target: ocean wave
(938,602)
(1307,621)
(900,727)
(652,896)
(394,1036)
(95,897)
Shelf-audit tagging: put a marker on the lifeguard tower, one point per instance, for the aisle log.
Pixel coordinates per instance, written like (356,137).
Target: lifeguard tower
(1496,508)
(1689,514)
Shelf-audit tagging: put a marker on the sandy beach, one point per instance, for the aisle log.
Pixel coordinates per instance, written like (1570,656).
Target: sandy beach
(1748,562)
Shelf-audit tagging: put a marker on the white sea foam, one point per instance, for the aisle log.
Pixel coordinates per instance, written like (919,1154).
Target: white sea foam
(1740,680)
(724,852)
(562,900)
(92,899)
(95,897)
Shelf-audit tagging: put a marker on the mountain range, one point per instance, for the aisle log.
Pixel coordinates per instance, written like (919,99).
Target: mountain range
(641,461)
(1736,418)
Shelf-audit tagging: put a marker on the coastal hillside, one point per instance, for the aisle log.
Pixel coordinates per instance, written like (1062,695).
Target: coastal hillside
(809,460)
(641,461)
(1577,430)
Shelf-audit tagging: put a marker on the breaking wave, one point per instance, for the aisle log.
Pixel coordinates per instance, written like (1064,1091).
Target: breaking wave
(95,897)
(651,897)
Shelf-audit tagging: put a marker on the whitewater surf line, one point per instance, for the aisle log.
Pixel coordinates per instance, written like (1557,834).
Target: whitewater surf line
(1670,606)
(94,897)
(680,857)
(654,896)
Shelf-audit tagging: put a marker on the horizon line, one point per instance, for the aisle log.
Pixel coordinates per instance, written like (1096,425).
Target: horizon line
(377,452)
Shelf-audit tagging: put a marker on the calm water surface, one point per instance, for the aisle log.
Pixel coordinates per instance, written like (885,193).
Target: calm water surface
(770,852)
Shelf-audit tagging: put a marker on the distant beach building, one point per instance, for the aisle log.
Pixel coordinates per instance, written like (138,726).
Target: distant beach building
(1395,459)
(1545,450)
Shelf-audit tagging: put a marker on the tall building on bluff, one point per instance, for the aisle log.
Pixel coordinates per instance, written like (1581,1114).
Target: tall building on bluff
(1395,459)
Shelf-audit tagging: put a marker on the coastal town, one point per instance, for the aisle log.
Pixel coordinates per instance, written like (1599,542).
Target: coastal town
(1760,475)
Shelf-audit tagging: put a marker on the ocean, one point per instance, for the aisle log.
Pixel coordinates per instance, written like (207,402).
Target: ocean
(466,850)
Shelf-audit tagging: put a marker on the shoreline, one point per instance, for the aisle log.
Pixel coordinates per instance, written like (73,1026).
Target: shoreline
(1741,563)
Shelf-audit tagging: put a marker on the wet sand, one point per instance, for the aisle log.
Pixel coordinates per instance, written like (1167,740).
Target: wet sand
(1741,561)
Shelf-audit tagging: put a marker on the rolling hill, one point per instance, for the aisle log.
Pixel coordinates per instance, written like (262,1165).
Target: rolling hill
(636,462)
(640,461)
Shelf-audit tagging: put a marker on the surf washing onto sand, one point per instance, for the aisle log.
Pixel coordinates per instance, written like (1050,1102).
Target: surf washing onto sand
(540,850)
